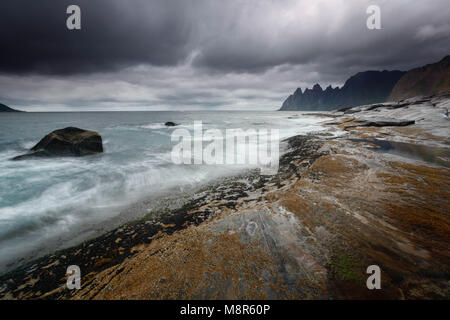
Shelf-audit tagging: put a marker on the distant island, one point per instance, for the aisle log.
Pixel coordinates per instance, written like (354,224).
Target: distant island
(371,87)
(4,108)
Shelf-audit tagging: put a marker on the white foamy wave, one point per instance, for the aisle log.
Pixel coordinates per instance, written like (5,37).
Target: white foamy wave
(48,202)
(6,156)
(154,126)
(28,144)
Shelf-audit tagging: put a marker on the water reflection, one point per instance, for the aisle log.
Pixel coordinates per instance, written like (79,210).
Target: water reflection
(439,156)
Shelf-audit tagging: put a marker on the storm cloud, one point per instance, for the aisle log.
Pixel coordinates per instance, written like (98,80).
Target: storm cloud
(195,54)
(114,34)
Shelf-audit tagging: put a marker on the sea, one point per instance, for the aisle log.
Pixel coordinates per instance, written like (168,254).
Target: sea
(48,204)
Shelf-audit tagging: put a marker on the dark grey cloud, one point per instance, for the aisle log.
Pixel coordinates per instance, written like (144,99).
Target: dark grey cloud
(114,34)
(232,35)
(175,54)
(330,34)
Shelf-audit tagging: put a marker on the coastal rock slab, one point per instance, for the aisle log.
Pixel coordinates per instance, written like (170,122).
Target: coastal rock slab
(388,123)
(382,122)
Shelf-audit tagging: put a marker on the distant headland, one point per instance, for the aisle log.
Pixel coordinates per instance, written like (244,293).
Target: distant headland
(4,108)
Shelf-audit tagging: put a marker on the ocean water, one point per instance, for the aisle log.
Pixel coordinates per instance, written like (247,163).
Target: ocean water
(48,204)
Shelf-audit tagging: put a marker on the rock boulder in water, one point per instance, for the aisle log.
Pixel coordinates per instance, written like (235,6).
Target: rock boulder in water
(69,141)
(170,124)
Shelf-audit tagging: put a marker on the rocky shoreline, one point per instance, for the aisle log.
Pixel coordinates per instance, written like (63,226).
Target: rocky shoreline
(337,205)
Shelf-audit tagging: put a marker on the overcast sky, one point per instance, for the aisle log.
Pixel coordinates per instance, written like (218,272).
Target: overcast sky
(203,54)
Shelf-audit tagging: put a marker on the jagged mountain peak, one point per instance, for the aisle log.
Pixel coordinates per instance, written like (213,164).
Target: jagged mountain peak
(362,88)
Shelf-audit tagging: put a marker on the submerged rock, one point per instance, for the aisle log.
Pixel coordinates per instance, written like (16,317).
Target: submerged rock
(170,124)
(69,141)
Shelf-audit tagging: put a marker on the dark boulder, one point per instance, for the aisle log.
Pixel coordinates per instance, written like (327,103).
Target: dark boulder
(170,124)
(70,141)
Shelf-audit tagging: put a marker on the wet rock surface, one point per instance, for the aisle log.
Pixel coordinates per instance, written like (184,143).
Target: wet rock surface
(382,123)
(336,206)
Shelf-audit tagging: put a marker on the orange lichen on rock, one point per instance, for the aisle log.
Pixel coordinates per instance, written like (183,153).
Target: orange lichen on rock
(309,232)
(190,264)
(393,214)
(102,262)
(423,199)
(336,166)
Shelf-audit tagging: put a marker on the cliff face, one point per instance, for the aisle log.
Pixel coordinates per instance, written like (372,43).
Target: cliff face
(362,88)
(424,81)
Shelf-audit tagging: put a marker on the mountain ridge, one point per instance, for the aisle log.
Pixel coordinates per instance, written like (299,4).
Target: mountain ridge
(433,78)
(362,88)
